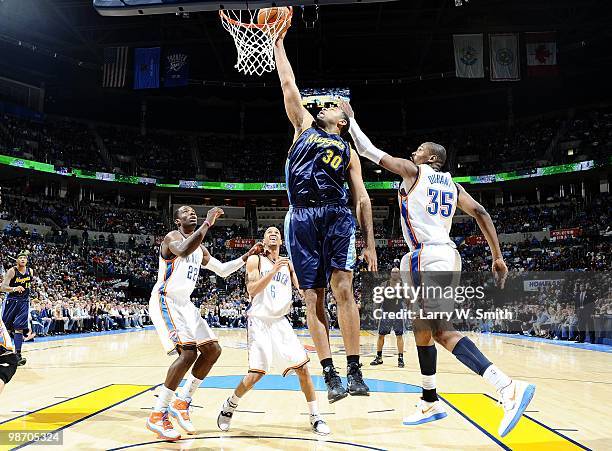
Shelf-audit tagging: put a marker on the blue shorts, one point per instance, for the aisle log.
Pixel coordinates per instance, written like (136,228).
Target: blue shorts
(15,314)
(318,240)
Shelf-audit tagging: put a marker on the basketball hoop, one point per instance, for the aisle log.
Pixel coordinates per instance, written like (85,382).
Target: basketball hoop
(254,40)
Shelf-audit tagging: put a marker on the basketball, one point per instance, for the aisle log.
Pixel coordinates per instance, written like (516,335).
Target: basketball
(275,16)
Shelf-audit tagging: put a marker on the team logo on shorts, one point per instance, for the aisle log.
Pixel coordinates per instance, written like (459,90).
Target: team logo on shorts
(173,335)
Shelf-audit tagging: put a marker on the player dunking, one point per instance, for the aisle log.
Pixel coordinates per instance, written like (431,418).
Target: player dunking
(319,227)
(271,338)
(16,283)
(177,320)
(428,199)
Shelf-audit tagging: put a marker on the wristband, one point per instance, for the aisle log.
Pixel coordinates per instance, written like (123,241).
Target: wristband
(207,223)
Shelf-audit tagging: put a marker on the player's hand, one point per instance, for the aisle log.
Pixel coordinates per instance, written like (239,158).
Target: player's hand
(258,248)
(283,33)
(369,255)
(280,263)
(346,108)
(213,214)
(19,289)
(500,272)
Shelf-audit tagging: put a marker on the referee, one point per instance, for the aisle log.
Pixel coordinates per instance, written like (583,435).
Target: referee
(386,325)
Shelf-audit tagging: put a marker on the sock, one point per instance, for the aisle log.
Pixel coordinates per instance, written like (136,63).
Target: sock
(379,354)
(466,351)
(496,377)
(18,339)
(428,356)
(164,397)
(233,401)
(327,362)
(313,407)
(352,359)
(191,385)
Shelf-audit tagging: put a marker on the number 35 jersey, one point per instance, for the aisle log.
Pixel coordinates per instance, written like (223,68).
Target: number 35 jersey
(316,169)
(177,277)
(274,301)
(427,208)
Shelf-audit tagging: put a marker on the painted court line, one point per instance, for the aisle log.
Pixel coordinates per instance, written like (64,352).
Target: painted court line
(63,414)
(528,435)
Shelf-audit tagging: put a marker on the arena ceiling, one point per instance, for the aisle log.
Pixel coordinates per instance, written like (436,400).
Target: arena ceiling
(383,40)
(406,42)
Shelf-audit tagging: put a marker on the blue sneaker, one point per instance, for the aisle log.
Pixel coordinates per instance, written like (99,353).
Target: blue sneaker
(514,398)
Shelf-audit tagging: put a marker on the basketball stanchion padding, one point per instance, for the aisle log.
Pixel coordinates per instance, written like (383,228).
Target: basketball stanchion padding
(254,33)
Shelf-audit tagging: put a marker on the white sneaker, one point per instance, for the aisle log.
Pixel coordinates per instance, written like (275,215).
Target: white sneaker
(319,426)
(514,398)
(159,423)
(179,409)
(225,416)
(425,413)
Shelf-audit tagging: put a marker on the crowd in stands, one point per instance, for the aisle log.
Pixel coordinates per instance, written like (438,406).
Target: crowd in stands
(154,154)
(62,142)
(36,208)
(473,150)
(569,212)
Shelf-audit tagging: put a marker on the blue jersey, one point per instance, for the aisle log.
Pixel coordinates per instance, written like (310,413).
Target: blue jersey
(316,169)
(20,280)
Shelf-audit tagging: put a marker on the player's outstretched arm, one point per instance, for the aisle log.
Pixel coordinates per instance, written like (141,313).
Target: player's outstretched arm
(363,208)
(298,115)
(255,284)
(470,206)
(365,148)
(225,269)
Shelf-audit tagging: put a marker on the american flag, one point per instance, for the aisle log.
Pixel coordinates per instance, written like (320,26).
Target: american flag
(115,67)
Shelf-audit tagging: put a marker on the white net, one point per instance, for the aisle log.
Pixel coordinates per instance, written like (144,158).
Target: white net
(255,41)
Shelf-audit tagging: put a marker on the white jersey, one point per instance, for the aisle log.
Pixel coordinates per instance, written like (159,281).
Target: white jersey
(427,208)
(177,277)
(276,298)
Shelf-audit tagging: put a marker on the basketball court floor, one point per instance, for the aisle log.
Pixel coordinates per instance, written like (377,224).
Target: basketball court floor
(99,389)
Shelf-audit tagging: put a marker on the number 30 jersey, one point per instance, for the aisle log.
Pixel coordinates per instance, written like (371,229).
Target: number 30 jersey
(177,277)
(274,301)
(427,208)
(316,169)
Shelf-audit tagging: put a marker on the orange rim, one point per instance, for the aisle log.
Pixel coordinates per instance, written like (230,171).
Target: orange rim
(254,25)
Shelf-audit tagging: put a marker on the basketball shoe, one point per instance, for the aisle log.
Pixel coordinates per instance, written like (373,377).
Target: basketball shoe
(225,416)
(425,413)
(319,426)
(179,409)
(159,423)
(335,389)
(514,398)
(356,386)
(377,361)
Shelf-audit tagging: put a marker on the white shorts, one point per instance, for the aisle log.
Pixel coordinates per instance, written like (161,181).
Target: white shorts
(432,257)
(272,341)
(430,266)
(178,322)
